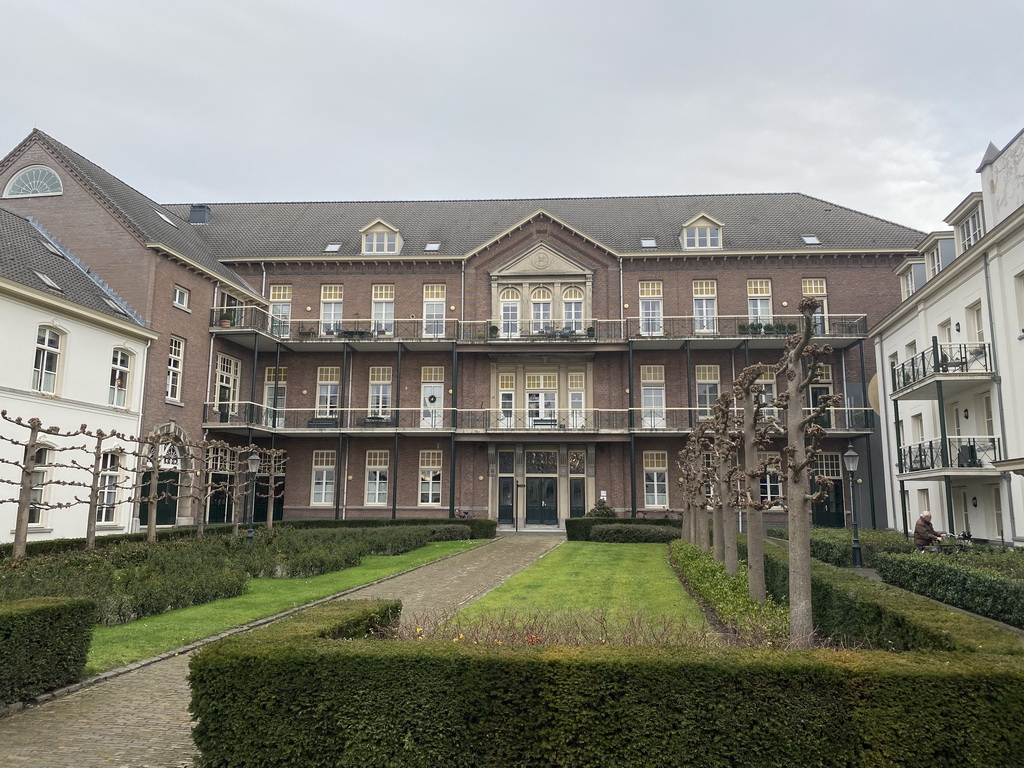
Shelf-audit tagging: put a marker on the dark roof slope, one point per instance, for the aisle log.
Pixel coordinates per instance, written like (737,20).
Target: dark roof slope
(768,222)
(24,254)
(141,213)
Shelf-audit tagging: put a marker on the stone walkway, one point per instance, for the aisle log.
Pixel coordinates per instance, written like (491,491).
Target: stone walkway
(140,719)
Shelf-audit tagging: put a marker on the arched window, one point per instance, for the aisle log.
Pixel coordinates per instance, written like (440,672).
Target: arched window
(509,313)
(120,368)
(540,304)
(47,361)
(34,181)
(572,308)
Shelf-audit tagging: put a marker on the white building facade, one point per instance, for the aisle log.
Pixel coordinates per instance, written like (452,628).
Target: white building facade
(951,362)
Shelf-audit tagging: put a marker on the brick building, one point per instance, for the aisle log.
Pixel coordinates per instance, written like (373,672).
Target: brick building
(515,359)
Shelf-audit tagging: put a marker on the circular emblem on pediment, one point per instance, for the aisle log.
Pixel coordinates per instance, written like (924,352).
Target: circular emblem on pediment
(541,259)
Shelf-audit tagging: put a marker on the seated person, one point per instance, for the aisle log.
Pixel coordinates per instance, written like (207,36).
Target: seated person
(924,532)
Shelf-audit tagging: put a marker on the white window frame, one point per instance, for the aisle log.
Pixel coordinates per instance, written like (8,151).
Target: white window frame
(652,316)
(969,230)
(40,487)
(510,300)
(708,383)
(322,480)
(280,310)
(182,298)
(229,376)
(759,300)
(379,406)
(705,306)
(540,310)
(702,238)
(380,241)
(572,308)
(175,368)
(656,479)
(430,479)
(383,309)
(332,305)
(377,469)
(275,381)
(46,368)
(120,377)
(431,386)
(34,181)
(328,383)
(109,484)
(652,397)
(434,297)
(817,288)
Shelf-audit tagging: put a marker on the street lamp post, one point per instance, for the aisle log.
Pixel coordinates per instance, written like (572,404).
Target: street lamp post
(254,464)
(852,459)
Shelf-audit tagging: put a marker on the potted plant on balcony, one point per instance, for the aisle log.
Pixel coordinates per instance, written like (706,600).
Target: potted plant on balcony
(493,332)
(225,318)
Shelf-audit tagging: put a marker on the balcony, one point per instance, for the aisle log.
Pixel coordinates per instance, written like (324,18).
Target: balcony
(966,456)
(240,417)
(959,367)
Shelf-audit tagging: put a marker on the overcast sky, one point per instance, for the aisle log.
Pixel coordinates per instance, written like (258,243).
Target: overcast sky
(885,106)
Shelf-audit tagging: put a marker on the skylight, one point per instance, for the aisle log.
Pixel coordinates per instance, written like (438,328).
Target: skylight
(49,282)
(648,242)
(811,239)
(432,247)
(115,306)
(51,247)
(165,217)
(332,248)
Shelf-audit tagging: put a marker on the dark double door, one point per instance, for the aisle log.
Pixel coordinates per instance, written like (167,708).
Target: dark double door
(830,512)
(542,501)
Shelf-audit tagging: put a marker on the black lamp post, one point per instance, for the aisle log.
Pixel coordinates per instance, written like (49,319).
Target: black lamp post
(852,459)
(254,464)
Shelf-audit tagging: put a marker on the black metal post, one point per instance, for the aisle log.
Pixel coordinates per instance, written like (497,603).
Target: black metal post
(857,560)
(251,505)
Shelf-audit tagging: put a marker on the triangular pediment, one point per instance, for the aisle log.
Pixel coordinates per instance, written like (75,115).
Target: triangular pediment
(702,220)
(541,259)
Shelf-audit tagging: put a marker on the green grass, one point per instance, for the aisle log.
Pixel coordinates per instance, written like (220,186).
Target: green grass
(116,646)
(585,576)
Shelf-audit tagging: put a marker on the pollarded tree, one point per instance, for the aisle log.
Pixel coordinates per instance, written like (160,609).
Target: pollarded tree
(724,444)
(798,369)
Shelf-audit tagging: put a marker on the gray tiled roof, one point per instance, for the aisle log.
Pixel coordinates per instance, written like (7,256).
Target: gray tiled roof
(757,222)
(142,213)
(23,254)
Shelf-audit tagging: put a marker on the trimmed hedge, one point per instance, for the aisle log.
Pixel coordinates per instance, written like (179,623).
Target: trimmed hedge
(478,528)
(579,528)
(728,596)
(286,695)
(835,545)
(857,611)
(449,532)
(957,580)
(627,533)
(43,645)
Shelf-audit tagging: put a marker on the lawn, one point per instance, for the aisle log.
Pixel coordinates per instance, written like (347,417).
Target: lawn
(116,646)
(592,577)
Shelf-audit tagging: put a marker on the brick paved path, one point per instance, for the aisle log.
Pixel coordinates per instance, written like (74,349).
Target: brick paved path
(140,719)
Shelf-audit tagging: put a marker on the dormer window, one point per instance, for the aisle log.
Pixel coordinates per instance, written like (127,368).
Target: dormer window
(381,237)
(970,230)
(34,181)
(701,233)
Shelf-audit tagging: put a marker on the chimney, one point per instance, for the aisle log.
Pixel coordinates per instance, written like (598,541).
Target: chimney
(199,214)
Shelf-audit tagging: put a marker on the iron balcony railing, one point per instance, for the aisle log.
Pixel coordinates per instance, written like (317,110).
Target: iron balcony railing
(590,420)
(535,330)
(943,360)
(961,452)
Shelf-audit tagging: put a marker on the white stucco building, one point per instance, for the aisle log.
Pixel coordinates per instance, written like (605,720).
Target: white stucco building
(951,362)
(71,353)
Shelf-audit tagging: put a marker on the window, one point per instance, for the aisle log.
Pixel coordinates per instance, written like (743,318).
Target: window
(651,319)
(1018,282)
(110,476)
(506,399)
(976,323)
(814,287)
(430,478)
(331,300)
(328,379)
(377,477)
(705,306)
(655,478)
(181,297)
(380,242)
(771,482)
(648,242)
(433,310)
(810,239)
(175,367)
(384,310)
(970,230)
(380,392)
(509,313)
(323,478)
(695,238)
(707,389)
(934,261)
(652,396)
(34,181)
(431,396)
(572,308)
(228,377)
(540,304)
(275,386)
(759,301)
(49,282)
(44,372)
(577,398)
(829,465)
(945,332)
(40,482)
(923,501)
(280,310)
(332,247)
(541,395)
(120,365)
(767,395)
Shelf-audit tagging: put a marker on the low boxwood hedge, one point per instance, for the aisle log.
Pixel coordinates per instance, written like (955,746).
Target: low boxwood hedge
(862,613)
(43,645)
(959,581)
(627,533)
(479,528)
(835,545)
(288,695)
(579,528)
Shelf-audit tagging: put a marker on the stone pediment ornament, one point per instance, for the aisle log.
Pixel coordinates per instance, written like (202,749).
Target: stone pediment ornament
(542,260)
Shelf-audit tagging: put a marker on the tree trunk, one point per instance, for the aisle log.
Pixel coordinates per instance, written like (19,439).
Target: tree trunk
(718,525)
(94,492)
(729,526)
(755,518)
(28,468)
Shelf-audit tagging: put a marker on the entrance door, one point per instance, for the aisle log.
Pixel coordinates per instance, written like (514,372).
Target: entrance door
(542,500)
(577,496)
(830,512)
(819,391)
(263,497)
(430,413)
(506,500)
(167,499)
(220,499)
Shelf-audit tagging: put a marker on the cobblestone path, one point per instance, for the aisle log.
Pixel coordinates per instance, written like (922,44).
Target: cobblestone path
(140,719)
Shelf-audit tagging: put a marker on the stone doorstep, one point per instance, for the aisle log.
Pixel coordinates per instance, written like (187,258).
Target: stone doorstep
(110,674)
